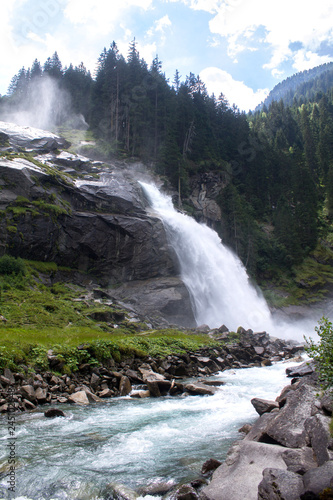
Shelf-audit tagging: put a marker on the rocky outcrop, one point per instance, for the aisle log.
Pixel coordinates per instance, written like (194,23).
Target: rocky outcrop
(90,217)
(288,452)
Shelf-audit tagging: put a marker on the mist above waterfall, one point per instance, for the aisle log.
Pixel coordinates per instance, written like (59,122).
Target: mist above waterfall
(220,289)
(46,106)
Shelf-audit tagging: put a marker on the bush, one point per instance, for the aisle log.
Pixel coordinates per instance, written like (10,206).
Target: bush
(322,352)
(11,265)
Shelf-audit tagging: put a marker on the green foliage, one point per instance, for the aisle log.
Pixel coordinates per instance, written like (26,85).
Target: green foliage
(322,352)
(12,265)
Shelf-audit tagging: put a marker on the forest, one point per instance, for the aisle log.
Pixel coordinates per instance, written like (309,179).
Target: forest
(276,163)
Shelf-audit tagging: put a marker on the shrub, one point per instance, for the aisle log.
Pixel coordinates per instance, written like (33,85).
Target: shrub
(322,352)
(11,265)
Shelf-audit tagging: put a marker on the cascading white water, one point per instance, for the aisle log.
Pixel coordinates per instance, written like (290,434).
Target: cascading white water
(217,281)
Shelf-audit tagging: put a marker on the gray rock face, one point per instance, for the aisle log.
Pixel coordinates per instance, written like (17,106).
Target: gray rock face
(100,227)
(279,484)
(319,479)
(239,476)
(263,405)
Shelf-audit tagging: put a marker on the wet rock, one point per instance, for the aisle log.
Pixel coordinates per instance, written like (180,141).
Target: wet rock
(31,138)
(28,392)
(263,405)
(83,397)
(210,465)
(125,386)
(157,488)
(41,395)
(116,491)
(106,393)
(185,492)
(302,370)
(54,412)
(280,484)
(201,389)
(140,394)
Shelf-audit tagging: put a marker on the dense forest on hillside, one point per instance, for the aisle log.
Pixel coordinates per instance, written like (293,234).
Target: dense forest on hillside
(276,164)
(301,87)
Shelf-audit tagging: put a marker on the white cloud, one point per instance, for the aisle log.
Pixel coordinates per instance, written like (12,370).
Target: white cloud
(219,81)
(100,15)
(283,23)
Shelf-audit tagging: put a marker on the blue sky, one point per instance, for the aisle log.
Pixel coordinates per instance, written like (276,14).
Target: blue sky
(239,47)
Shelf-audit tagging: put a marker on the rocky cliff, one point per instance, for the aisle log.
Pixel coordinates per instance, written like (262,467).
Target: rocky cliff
(89,216)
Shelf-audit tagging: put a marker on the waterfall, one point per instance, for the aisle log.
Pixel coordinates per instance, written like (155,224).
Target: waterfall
(217,281)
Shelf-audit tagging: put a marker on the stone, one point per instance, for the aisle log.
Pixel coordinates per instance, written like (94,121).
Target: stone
(28,392)
(319,479)
(185,492)
(263,405)
(299,460)
(95,380)
(54,412)
(200,389)
(280,484)
(119,492)
(302,370)
(326,402)
(106,393)
(31,138)
(245,428)
(210,465)
(157,488)
(4,380)
(140,394)
(79,397)
(9,375)
(41,395)
(287,428)
(318,432)
(245,460)
(125,386)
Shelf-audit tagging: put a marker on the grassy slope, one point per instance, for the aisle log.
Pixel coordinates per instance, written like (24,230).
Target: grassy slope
(63,317)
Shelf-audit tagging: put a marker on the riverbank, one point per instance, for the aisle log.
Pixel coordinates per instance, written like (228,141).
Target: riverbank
(155,375)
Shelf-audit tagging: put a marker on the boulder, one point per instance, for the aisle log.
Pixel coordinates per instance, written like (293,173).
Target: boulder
(79,397)
(280,484)
(326,402)
(210,465)
(287,428)
(264,405)
(239,476)
(41,395)
(319,479)
(106,393)
(302,370)
(299,460)
(28,392)
(125,386)
(119,492)
(54,412)
(198,388)
(318,432)
(31,138)
(185,492)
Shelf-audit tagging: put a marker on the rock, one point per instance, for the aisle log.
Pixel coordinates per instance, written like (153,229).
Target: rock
(326,402)
(157,488)
(299,460)
(258,431)
(31,138)
(4,380)
(28,404)
(185,492)
(106,393)
(153,389)
(280,484)
(95,380)
(119,492)
(245,428)
(263,405)
(302,370)
(245,460)
(140,394)
(287,428)
(28,392)
(210,465)
(199,388)
(79,397)
(54,412)
(319,479)
(318,432)
(41,395)
(125,386)
(9,375)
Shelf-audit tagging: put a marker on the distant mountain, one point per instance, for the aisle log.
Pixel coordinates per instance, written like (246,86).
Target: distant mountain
(303,85)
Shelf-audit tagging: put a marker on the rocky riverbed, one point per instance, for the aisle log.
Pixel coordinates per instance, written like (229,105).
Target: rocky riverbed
(142,377)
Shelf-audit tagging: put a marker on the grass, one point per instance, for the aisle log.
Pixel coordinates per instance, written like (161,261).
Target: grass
(61,318)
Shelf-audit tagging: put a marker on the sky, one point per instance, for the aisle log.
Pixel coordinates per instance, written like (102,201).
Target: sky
(241,48)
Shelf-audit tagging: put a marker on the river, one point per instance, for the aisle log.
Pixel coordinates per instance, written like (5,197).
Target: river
(130,441)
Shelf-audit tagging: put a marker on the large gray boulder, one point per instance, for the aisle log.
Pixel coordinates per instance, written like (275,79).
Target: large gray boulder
(239,476)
